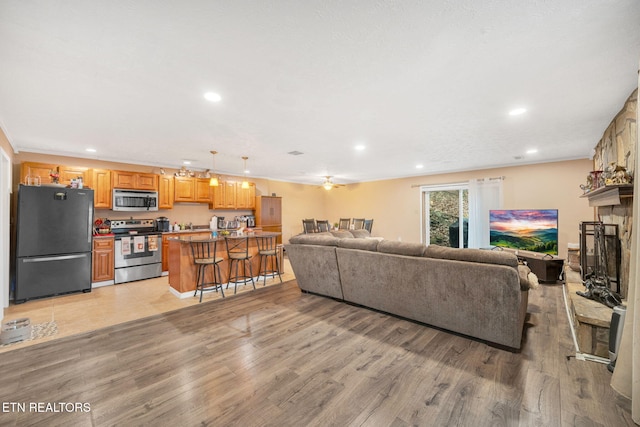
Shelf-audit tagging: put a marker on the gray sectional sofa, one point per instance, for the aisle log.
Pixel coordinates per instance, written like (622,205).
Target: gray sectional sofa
(479,293)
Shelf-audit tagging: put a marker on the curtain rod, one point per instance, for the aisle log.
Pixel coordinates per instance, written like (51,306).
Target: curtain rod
(479,179)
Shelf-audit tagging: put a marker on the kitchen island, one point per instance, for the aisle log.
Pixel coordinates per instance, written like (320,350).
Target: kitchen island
(182,271)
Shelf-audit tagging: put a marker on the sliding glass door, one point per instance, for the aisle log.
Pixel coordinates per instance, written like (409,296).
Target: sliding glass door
(445,213)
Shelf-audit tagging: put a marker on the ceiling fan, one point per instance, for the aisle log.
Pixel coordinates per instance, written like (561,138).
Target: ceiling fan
(328,184)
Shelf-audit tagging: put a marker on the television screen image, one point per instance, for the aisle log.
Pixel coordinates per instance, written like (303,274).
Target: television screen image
(533,230)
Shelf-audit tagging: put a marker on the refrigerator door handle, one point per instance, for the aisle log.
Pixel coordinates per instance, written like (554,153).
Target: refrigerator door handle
(90,225)
(53,258)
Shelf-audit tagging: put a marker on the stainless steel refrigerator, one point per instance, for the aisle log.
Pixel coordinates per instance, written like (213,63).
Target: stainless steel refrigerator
(54,232)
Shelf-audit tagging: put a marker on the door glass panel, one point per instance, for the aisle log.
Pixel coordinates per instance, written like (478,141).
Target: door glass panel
(446,210)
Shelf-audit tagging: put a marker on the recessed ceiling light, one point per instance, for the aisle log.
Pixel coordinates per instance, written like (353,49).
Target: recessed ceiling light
(186,162)
(419,166)
(91,150)
(212,96)
(532,151)
(359,147)
(517,111)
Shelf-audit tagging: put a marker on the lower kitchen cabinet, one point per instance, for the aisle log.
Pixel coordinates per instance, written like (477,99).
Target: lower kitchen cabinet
(103,259)
(186,234)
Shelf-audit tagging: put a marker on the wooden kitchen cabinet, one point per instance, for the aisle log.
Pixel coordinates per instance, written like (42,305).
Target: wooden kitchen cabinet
(33,173)
(165,193)
(187,234)
(184,189)
(100,182)
(203,190)
(103,260)
(69,173)
(134,180)
(224,196)
(189,189)
(231,195)
(246,197)
(269,214)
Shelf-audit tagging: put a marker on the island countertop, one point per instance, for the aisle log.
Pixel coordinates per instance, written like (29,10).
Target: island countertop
(182,271)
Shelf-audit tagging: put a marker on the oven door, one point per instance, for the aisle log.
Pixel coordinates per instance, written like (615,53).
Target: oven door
(137,249)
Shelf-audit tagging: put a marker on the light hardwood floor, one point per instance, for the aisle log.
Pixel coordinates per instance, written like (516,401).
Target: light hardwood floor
(279,357)
(110,305)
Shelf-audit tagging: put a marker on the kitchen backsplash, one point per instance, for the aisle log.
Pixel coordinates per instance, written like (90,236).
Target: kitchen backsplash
(195,213)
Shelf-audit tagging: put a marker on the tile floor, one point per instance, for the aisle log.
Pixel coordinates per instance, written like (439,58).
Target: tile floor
(110,305)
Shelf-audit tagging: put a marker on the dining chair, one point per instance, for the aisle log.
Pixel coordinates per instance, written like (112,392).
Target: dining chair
(309,225)
(358,223)
(344,223)
(323,225)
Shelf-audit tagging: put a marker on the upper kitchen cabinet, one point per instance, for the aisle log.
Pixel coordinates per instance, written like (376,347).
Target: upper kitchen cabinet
(231,195)
(188,189)
(69,173)
(246,197)
(32,173)
(134,180)
(165,193)
(223,196)
(100,181)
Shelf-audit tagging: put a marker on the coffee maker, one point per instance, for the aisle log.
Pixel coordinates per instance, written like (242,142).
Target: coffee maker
(251,221)
(163,224)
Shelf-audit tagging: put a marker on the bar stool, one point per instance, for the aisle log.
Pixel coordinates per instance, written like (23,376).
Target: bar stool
(204,254)
(267,249)
(238,254)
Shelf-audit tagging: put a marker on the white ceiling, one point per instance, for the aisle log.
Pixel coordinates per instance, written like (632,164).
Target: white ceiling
(416,82)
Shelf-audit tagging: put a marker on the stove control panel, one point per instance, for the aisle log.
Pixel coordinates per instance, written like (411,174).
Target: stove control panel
(131,224)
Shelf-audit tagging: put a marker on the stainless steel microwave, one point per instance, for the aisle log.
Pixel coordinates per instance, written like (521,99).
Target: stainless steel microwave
(134,200)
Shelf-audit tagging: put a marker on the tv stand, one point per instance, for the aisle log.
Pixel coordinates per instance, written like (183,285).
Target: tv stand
(548,268)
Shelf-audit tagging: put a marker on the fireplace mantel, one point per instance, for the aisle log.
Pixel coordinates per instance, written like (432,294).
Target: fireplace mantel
(609,195)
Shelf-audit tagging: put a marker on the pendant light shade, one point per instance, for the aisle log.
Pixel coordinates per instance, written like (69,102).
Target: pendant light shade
(245,183)
(214,182)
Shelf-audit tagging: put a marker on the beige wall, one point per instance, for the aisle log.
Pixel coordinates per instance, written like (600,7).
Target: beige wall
(393,204)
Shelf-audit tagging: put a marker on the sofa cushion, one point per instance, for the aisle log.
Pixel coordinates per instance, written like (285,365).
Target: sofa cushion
(341,234)
(400,248)
(472,255)
(360,234)
(321,239)
(363,244)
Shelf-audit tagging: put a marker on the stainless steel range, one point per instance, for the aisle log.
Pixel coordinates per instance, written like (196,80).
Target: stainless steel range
(138,250)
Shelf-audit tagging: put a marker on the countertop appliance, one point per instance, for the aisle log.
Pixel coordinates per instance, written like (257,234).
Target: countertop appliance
(163,224)
(251,221)
(53,241)
(138,250)
(134,200)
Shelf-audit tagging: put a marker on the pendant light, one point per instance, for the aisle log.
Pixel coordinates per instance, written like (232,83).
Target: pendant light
(245,183)
(214,182)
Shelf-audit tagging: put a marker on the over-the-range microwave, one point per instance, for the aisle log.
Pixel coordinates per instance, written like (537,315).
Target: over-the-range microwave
(134,200)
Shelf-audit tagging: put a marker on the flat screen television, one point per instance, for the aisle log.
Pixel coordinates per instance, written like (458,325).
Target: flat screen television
(533,230)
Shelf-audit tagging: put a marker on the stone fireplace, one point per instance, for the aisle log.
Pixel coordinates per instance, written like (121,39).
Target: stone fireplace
(618,146)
